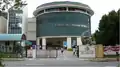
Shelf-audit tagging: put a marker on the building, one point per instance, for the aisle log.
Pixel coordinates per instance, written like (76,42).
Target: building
(7,40)
(11,31)
(31,30)
(15,21)
(3,25)
(4,14)
(64,21)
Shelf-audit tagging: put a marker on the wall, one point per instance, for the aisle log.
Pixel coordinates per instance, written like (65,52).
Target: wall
(3,25)
(62,24)
(31,29)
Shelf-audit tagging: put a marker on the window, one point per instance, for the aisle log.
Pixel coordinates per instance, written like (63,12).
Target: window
(51,9)
(62,9)
(41,12)
(71,9)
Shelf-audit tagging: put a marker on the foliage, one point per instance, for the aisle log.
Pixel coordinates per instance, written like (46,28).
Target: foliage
(108,31)
(17,49)
(86,40)
(17,4)
(8,55)
(69,49)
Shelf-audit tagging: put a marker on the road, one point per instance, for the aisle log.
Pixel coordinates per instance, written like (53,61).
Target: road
(58,63)
(62,61)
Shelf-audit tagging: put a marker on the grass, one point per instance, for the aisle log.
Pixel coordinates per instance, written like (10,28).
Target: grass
(8,55)
(111,56)
(69,49)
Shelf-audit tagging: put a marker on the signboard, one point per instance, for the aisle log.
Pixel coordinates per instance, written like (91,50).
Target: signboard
(23,37)
(64,43)
(111,50)
(86,51)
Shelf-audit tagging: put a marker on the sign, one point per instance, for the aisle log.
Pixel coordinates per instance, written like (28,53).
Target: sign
(23,37)
(28,42)
(71,25)
(86,51)
(64,43)
(111,50)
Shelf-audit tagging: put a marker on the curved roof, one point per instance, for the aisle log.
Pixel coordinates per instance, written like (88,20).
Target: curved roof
(10,37)
(62,2)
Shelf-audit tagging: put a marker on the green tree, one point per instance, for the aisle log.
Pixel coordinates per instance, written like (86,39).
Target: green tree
(108,31)
(17,4)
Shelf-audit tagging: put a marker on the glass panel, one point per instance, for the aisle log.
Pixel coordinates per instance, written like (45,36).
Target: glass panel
(70,23)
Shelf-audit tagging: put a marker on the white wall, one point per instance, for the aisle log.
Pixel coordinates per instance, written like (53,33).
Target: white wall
(3,25)
(24,19)
(31,29)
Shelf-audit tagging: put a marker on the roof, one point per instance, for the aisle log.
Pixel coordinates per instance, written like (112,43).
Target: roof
(10,37)
(62,2)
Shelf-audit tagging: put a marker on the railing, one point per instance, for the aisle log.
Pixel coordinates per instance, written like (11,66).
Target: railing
(47,53)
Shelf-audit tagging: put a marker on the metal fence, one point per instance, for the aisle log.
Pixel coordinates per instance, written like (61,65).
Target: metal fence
(52,53)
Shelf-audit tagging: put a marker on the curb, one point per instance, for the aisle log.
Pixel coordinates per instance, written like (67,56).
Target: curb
(102,60)
(12,59)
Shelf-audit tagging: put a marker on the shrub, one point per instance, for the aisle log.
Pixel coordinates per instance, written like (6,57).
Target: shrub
(69,49)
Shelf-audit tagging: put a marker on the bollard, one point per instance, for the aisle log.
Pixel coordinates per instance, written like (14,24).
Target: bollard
(78,51)
(117,54)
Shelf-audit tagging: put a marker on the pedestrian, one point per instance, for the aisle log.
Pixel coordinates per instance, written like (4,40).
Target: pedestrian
(62,50)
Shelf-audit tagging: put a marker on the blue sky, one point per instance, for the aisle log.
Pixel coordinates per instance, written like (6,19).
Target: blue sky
(100,7)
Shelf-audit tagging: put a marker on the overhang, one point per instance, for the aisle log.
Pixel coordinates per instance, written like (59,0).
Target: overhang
(10,37)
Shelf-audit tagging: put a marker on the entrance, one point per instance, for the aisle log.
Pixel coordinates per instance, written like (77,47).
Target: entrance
(52,47)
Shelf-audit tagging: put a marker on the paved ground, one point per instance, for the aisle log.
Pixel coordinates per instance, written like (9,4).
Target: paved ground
(65,60)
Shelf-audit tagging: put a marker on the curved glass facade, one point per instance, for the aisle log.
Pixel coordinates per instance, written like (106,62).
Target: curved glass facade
(62,24)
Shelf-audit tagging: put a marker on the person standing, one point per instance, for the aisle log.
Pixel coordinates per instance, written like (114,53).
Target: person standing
(62,50)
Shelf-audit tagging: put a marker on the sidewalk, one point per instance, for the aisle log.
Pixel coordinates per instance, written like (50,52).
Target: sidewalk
(103,59)
(66,55)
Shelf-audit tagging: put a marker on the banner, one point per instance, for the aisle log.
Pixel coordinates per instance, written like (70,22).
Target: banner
(87,51)
(111,50)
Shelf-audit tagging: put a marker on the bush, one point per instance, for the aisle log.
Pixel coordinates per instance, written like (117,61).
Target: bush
(1,65)
(69,49)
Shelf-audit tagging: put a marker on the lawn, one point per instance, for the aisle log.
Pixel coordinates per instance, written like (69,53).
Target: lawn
(111,56)
(8,55)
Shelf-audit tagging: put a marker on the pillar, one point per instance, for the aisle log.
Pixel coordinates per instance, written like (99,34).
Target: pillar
(79,41)
(68,42)
(38,43)
(43,43)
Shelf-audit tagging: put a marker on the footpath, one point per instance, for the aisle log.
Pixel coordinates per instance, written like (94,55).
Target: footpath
(67,55)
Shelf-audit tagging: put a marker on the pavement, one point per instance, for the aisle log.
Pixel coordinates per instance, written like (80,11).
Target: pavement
(63,60)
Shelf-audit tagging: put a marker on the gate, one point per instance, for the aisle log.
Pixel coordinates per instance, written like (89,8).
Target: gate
(48,53)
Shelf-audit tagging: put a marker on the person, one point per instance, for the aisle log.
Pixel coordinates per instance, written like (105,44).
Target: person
(62,50)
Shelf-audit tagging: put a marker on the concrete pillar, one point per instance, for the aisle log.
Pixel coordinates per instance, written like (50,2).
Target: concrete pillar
(79,41)
(43,43)
(38,41)
(68,42)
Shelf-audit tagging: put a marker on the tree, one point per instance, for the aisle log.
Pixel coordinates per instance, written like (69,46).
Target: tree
(7,4)
(108,31)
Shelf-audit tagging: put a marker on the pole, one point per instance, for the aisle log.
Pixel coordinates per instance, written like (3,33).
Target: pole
(117,58)
(26,50)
